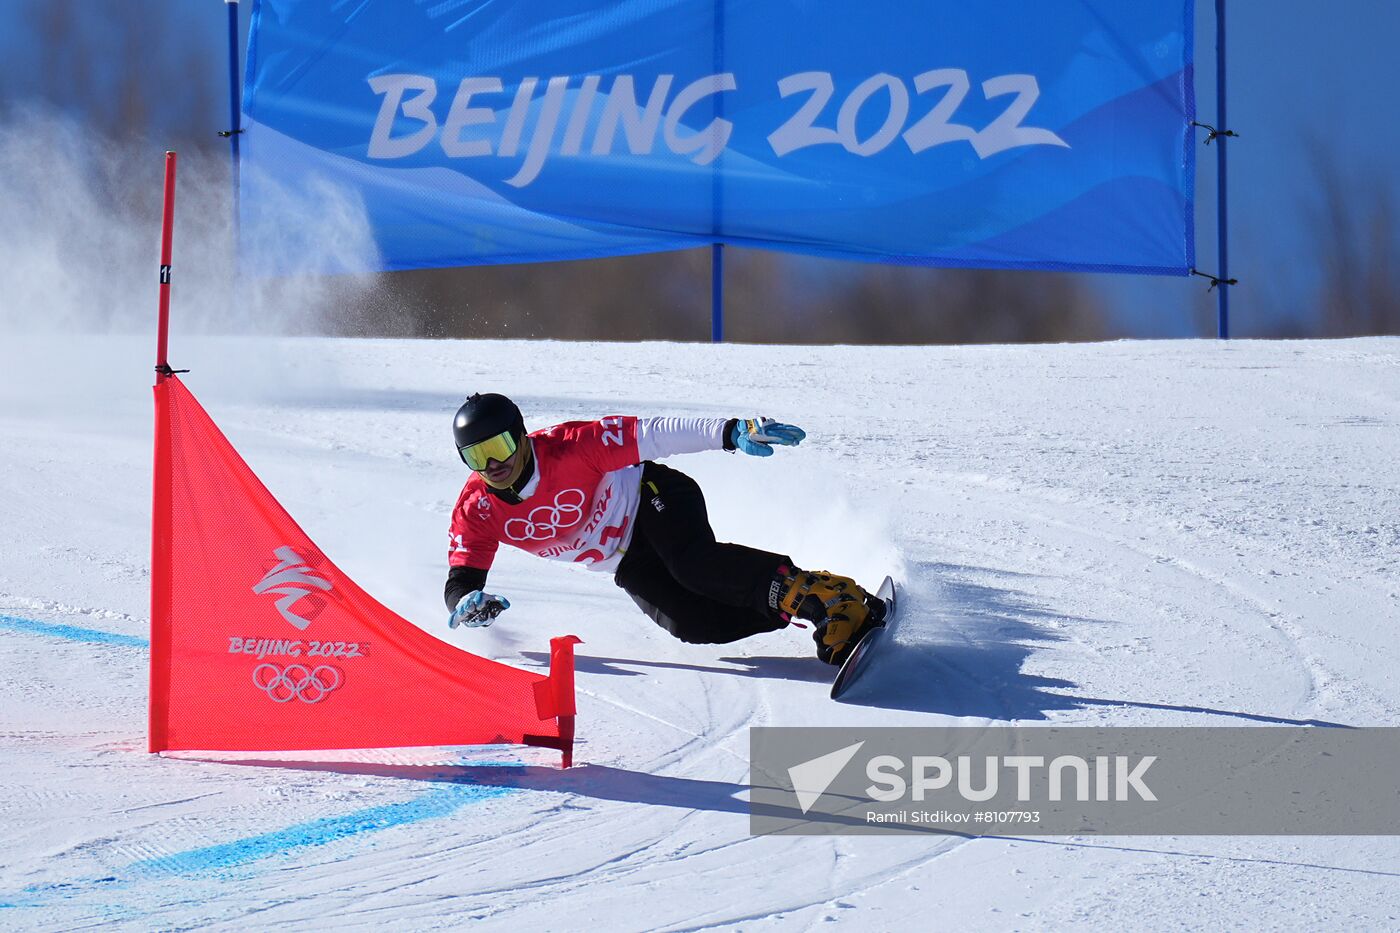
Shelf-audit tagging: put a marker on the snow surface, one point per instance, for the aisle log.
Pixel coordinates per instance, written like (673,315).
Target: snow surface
(1182,533)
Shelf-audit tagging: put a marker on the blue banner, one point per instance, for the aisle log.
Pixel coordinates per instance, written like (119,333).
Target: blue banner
(1043,134)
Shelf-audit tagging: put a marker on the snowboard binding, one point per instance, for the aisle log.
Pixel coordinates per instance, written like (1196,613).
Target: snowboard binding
(839,610)
(836,654)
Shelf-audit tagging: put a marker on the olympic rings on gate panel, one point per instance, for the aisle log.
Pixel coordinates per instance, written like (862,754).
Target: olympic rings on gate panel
(296,681)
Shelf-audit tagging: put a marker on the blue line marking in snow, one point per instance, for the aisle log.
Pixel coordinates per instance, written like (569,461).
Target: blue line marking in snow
(439,802)
(71,632)
(431,805)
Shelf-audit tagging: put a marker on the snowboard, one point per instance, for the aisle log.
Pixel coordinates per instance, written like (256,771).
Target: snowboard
(851,667)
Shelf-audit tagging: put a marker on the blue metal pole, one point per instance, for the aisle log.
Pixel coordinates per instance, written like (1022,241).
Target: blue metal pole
(235,103)
(717,181)
(717,293)
(1222,208)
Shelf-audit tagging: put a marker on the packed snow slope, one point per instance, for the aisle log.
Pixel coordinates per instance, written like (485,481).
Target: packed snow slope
(1185,533)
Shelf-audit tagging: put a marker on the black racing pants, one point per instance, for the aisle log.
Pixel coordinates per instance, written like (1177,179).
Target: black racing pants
(700,590)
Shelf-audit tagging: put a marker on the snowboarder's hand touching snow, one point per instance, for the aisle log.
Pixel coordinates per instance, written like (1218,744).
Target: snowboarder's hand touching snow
(755,436)
(477,610)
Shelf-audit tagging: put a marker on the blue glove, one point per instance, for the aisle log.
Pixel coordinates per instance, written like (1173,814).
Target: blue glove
(477,610)
(755,436)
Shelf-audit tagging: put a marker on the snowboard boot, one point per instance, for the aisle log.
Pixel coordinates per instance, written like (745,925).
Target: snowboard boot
(839,610)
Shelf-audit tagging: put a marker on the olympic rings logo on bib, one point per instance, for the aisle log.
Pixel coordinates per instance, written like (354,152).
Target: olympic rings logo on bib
(296,682)
(547,521)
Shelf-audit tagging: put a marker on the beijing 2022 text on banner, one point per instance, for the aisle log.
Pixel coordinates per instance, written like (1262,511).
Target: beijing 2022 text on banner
(1045,134)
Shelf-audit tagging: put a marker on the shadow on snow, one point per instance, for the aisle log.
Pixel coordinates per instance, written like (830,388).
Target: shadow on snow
(958,648)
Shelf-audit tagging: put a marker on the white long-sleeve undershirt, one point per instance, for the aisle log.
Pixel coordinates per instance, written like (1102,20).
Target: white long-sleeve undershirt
(666,437)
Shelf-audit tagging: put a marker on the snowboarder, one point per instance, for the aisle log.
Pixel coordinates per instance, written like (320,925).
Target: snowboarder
(590,492)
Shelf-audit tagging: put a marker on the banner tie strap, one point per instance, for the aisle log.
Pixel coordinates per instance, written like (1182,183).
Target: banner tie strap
(1214,280)
(1214,132)
(165,370)
(225,134)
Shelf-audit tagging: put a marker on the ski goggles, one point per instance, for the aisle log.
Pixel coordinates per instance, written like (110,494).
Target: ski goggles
(499,448)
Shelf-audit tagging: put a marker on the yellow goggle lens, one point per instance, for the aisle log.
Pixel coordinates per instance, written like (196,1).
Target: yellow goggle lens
(499,448)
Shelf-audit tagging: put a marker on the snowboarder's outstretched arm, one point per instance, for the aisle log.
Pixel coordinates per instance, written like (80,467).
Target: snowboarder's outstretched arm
(666,437)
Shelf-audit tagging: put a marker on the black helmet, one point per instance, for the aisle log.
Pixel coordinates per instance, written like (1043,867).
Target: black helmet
(482,417)
(486,415)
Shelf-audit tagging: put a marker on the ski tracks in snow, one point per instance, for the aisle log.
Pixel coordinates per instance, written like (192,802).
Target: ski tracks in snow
(1081,547)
